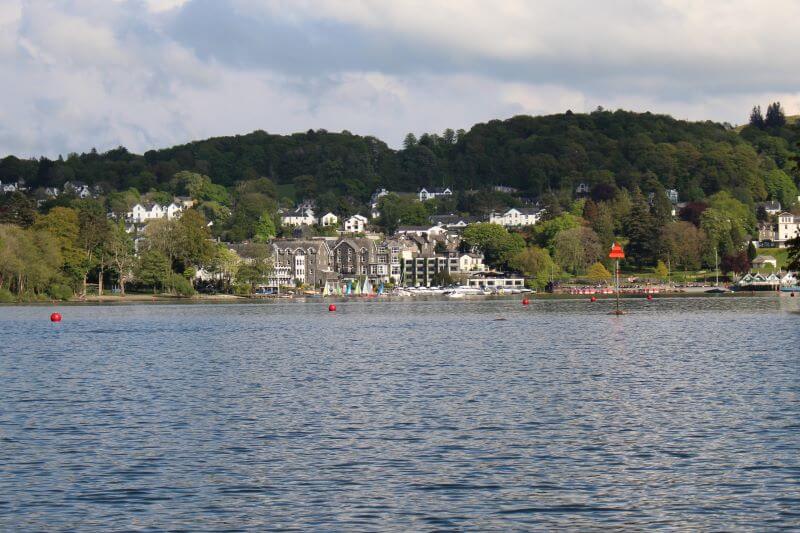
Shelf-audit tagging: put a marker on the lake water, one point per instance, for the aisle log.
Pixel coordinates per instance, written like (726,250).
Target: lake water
(402,416)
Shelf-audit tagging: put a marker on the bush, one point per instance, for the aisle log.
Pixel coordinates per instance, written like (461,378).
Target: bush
(57,291)
(180,285)
(6,297)
(242,289)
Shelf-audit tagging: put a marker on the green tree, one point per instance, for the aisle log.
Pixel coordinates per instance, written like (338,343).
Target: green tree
(598,273)
(535,263)
(794,254)
(640,229)
(781,187)
(661,271)
(496,243)
(121,254)
(576,249)
(154,269)
(265,228)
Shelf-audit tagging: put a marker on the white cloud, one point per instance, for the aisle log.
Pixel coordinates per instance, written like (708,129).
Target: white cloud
(150,73)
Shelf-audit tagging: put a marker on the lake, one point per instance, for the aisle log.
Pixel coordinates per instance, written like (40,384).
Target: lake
(683,414)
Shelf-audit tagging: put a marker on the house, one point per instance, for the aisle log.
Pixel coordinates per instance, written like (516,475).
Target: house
(772,207)
(185,202)
(15,186)
(432,193)
(51,192)
(421,231)
(788,228)
(78,188)
(329,219)
(356,224)
(762,261)
(471,262)
(672,194)
(517,216)
(352,256)
(582,188)
(301,216)
(141,213)
(452,222)
(505,189)
(375,200)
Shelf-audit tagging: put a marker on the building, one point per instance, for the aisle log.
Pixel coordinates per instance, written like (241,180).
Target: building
(672,194)
(775,234)
(582,188)
(496,280)
(301,216)
(186,202)
(352,257)
(453,222)
(421,231)
(356,224)
(15,186)
(306,261)
(141,213)
(328,220)
(432,193)
(505,189)
(471,262)
(517,216)
(78,188)
(763,261)
(772,207)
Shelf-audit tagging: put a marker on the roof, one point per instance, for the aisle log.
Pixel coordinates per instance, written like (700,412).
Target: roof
(772,204)
(763,258)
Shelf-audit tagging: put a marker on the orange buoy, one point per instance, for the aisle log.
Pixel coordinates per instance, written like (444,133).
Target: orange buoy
(331,308)
(593,299)
(55,317)
(525,301)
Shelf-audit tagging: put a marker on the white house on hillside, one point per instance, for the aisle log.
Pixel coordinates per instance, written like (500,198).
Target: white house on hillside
(374,200)
(356,224)
(302,216)
(78,188)
(436,192)
(517,216)
(329,220)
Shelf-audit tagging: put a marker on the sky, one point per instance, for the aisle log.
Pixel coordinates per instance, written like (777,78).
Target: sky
(144,74)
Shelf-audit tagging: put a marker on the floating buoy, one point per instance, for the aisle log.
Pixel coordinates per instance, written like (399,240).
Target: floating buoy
(593,299)
(525,301)
(649,296)
(55,317)
(332,308)
(791,294)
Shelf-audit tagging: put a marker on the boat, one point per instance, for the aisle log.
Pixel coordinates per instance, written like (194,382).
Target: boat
(718,290)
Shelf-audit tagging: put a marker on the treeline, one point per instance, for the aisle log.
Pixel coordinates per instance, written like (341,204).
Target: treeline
(533,154)
(56,256)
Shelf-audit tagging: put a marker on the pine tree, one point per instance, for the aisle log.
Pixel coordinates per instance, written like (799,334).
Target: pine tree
(756,118)
(640,229)
(410,141)
(775,116)
(751,251)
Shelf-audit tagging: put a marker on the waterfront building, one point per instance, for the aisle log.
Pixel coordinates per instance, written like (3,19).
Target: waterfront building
(306,261)
(496,280)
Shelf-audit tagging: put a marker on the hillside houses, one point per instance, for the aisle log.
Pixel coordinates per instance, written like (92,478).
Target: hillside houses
(432,193)
(776,234)
(517,217)
(144,212)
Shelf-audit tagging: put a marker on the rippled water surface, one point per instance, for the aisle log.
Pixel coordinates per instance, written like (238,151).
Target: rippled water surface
(402,416)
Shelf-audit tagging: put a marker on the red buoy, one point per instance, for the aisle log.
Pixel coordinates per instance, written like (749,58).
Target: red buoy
(791,294)
(649,296)
(331,308)
(55,317)
(593,299)
(525,301)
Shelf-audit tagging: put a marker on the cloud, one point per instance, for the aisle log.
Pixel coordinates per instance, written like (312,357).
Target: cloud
(151,73)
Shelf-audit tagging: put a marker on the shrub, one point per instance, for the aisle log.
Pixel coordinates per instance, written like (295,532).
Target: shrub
(180,285)
(58,291)
(6,297)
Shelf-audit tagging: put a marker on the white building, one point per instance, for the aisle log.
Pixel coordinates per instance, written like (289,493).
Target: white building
(421,231)
(517,216)
(788,228)
(141,213)
(329,220)
(356,224)
(78,188)
(471,262)
(302,216)
(436,192)
(582,188)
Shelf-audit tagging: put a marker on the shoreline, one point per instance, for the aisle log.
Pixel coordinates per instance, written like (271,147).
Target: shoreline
(145,299)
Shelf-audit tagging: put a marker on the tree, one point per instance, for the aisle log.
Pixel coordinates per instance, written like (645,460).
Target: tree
(736,262)
(752,252)
(154,269)
(775,116)
(598,273)
(92,235)
(256,267)
(683,244)
(194,246)
(756,118)
(265,228)
(496,243)
(410,141)
(121,254)
(780,186)
(305,186)
(576,249)
(794,254)
(661,271)
(536,263)
(640,229)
